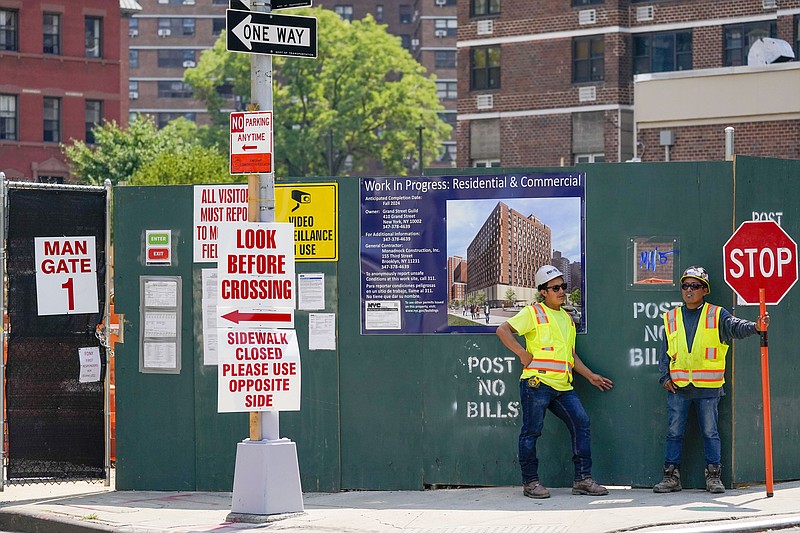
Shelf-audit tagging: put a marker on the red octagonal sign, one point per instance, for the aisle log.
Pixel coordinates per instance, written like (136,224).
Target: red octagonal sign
(760,255)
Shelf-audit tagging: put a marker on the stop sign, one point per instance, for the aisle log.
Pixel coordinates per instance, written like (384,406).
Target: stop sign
(760,255)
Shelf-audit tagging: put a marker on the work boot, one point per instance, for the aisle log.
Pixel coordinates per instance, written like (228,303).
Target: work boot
(671,481)
(534,489)
(589,487)
(713,481)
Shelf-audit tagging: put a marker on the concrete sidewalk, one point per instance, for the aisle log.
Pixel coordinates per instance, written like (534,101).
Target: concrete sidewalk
(85,507)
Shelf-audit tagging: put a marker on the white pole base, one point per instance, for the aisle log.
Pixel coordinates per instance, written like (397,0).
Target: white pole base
(267,478)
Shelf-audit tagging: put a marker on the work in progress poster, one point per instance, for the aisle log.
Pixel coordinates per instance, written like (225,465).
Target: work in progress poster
(458,254)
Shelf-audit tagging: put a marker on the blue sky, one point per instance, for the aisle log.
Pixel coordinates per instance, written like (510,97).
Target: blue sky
(563,215)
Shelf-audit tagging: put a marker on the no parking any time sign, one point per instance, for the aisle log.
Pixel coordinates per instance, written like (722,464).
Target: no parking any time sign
(66,275)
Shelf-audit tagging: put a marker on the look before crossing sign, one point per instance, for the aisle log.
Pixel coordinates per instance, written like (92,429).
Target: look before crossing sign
(256,275)
(66,275)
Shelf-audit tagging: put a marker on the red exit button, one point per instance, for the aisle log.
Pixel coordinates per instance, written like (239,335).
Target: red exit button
(154,254)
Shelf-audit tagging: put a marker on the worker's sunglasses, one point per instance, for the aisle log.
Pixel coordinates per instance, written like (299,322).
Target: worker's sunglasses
(693,286)
(556,288)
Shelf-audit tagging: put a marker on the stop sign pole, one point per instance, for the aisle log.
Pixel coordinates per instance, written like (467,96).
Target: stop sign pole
(761,262)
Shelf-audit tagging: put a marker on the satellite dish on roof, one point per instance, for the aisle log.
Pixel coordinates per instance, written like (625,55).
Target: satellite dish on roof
(767,50)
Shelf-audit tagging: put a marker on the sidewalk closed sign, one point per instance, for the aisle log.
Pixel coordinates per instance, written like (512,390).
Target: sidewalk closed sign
(258,370)
(66,275)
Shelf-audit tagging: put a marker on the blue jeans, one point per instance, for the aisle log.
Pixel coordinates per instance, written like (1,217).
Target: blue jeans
(678,413)
(566,406)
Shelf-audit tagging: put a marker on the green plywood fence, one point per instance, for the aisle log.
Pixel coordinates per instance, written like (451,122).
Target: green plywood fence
(406,411)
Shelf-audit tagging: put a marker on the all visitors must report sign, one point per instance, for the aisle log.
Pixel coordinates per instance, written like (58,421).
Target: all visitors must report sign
(66,275)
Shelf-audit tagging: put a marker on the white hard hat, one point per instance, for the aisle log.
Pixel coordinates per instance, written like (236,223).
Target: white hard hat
(545,274)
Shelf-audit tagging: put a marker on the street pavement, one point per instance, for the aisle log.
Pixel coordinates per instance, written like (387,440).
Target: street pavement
(85,507)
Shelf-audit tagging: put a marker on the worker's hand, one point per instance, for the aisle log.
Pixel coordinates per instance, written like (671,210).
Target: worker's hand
(763,322)
(670,386)
(525,358)
(600,382)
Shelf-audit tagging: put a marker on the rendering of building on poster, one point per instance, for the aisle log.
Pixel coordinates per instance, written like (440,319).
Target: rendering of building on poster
(458,254)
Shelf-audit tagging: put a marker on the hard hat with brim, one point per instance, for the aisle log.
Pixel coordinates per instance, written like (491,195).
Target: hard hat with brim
(545,274)
(698,273)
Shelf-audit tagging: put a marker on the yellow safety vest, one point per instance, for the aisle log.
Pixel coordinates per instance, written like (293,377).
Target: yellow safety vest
(552,354)
(703,365)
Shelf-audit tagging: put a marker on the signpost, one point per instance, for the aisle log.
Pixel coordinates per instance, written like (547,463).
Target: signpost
(265,33)
(251,142)
(761,266)
(276,4)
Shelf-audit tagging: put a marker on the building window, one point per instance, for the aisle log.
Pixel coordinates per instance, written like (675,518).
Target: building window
(579,3)
(174,89)
(52,180)
(447,154)
(406,14)
(445,59)
(8,117)
(448,117)
(51,34)
(797,36)
(379,13)
(133,27)
(405,41)
(485,163)
(587,59)
(590,158)
(51,131)
(220,2)
(485,68)
(445,27)
(175,58)
(94,116)
(133,58)
(446,90)
(9,30)
(344,11)
(172,27)
(217,26)
(739,38)
(133,90)
(480,8)
(94,27)
(662,52)
(162,119)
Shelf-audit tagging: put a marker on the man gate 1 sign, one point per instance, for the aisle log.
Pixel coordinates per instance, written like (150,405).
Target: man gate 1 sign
(760,255)
(66,275)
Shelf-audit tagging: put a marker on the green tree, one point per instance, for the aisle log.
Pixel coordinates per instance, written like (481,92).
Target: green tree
(575,297)
(364,95)
(191,164)
(510,296)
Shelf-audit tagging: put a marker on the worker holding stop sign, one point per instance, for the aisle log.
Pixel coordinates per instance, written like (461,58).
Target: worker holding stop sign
(692,365)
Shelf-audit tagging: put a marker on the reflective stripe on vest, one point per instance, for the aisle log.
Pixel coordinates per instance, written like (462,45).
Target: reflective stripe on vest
(711,316)
(672,320)
(541,315)
(551,365)
(711,353)
(707,376)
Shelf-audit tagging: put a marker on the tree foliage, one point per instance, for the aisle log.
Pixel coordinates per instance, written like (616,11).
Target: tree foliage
(364,95)
(144,155)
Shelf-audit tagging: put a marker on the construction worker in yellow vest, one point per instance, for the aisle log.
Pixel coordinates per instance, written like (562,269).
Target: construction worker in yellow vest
(548,360)
(692,366)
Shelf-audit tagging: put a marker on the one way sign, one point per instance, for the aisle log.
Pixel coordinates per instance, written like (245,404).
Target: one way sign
(264,33)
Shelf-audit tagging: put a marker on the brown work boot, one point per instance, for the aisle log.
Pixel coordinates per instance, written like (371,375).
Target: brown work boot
(713,481)
(589,487)
(534,489)
(671,481)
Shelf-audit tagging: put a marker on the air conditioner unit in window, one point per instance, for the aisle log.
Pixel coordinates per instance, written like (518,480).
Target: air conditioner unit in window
(133,33)
(188,64)
(587,16)
(164,32)
(440,33)
(484,101)
(769,4)
(485,27)
(645,13)
(133,95)
(414,42)
(587,94)
(440,2)
(188,2)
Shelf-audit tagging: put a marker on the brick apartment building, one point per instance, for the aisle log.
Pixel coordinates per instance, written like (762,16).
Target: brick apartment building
(552,82)
(60,74)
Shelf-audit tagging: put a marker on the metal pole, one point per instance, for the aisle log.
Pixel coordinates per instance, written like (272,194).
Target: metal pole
(263,425)
(106,330)
(765,395)
(3,191)
(419,147)
(330,152)
(729,144)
